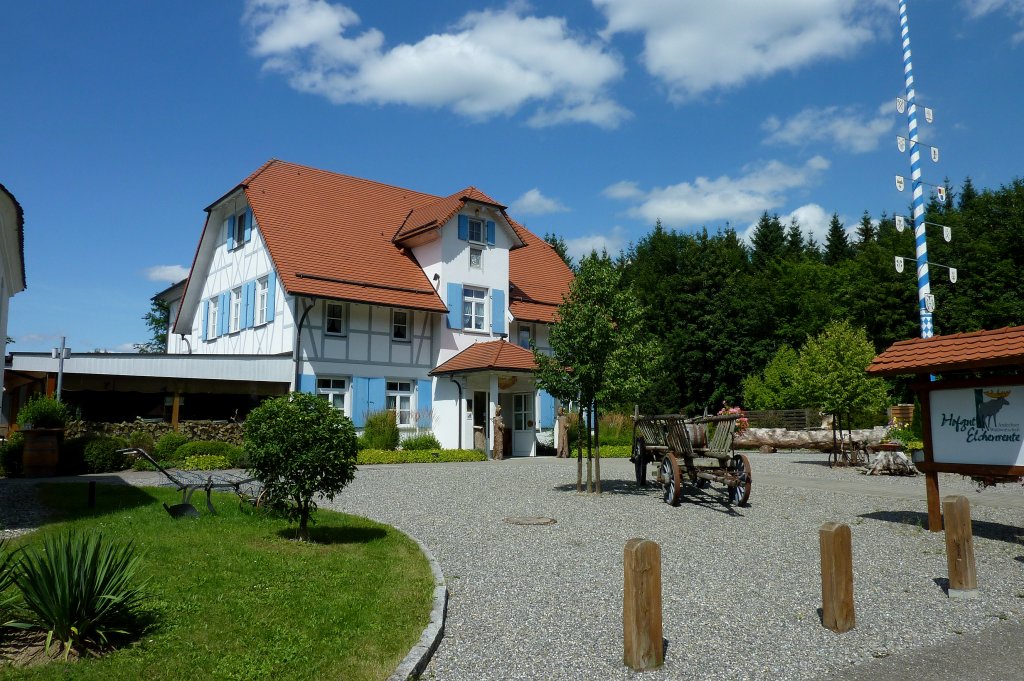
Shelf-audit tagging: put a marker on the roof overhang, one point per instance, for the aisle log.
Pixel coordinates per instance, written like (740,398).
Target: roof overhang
(955,353)
(488,356)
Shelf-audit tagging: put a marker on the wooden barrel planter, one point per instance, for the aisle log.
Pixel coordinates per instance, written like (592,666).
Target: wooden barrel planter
(42,451)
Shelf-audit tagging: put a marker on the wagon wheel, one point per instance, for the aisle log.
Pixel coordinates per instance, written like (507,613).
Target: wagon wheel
(740,467)
(640,461)
(672,485)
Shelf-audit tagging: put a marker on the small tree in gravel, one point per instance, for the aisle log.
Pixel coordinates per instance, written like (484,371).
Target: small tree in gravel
(299,446)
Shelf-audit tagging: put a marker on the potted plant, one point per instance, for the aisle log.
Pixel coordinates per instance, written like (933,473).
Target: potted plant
(42,421)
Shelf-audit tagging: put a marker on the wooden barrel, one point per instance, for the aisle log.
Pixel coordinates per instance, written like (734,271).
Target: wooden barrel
(42,449)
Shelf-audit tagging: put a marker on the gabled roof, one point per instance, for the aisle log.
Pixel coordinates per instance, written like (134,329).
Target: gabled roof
(436,214)
(955,352)
(538,279)
(330,236)
(19,224)
(499,355)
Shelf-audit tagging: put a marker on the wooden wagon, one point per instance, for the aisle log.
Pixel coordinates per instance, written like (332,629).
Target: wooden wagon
(683,451)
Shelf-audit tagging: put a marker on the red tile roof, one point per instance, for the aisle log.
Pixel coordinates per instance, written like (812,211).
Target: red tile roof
(436,214)
(330,236)
(955,352)
(499,355)
(538,279)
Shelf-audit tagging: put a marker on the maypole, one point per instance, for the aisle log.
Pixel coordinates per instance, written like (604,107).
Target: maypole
(924,297)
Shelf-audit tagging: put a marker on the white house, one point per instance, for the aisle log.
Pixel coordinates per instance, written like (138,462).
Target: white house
(383,298)
(12,261)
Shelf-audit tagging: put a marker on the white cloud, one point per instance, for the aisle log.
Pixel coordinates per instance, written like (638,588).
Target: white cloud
(695,47)
(491,62)
(626,189)
(613,242)
(687,204)
(168,273)
(1014,8)
(534,202)
(845,127)
(812,218)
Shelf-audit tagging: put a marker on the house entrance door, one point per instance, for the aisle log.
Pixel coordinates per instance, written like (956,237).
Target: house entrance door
(480,425)
(523,431)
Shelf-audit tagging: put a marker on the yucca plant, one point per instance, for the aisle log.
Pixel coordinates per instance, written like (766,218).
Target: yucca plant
(81,589)
(8,562)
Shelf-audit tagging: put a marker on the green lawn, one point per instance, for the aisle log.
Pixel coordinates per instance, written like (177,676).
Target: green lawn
(235,598)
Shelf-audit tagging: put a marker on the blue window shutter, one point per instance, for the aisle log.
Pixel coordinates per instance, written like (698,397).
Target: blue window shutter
(206,318)
(248,224)
(498,310)
(424,402)
(454,306)
(375,395)
(464,227)
(360,392)
(490,232)
(224,320)
(229,226)
(307,383)
(547,410)
(271,295)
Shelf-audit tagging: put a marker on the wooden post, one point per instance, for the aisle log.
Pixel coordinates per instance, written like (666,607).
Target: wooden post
(175,406)
(963,576)
(931,486)
(641,607)
(837,611)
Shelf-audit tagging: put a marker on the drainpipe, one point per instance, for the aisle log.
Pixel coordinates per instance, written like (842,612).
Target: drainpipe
(459,386)
(298,335)
(184,339)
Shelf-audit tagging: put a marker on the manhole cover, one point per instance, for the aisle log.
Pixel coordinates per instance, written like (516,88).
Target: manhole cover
(530,520)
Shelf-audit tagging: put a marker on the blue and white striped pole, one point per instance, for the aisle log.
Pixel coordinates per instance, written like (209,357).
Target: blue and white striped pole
(923,283)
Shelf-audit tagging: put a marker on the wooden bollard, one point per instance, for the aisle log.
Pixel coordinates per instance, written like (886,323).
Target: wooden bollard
(837,611)
(963,575)
(641,607)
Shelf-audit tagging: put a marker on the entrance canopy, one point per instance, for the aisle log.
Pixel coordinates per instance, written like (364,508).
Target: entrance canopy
(499,355)
(958,352)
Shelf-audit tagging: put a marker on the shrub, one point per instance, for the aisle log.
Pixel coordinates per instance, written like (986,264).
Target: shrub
(142,440)
(300,447)
(72,454)
(167,446)
(10,455)
(378,456)
(101,455)
(381,430)
(43,412)
(208,462)
(80,588)
(199,448)
(423,441)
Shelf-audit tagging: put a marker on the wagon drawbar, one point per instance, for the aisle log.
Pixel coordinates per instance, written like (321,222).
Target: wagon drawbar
(683,450)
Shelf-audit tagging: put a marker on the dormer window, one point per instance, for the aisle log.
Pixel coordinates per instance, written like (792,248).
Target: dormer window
(476,230)
(239,225)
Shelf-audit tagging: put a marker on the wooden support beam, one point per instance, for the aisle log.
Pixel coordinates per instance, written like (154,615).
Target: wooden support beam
(963,575)
(837,611)
(641,607)
(175,407)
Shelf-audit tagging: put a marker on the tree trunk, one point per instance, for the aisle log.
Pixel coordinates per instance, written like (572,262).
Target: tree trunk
(303,533)
(597,448)
(590,449)
(579,453)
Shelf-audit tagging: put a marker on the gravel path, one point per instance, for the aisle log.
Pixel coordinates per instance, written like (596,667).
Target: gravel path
(741,589)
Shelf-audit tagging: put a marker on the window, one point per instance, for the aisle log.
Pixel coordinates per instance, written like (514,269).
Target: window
(239,226)
(399,325)
(335,318)
(262,295)
(236,309)
(211,327)
(473,308)
(476,230)
(334,390)
(524,336)
(476,258)
(522,411)
(399,400)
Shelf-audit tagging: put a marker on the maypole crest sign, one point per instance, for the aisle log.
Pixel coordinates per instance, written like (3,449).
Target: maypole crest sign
(979,426)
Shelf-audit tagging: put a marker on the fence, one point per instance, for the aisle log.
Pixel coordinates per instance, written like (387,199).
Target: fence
(790,419)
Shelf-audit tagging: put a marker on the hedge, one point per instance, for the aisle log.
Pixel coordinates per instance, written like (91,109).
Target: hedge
(368,457)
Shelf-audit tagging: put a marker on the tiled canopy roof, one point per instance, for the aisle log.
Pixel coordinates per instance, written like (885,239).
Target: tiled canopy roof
(435,214)
(538,278)
(499,355)
(956,352)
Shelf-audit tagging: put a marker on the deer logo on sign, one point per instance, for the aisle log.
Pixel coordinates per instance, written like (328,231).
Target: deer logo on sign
(987,410)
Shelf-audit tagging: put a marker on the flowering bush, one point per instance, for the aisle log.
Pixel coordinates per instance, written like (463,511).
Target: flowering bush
(742,424)
(902,433)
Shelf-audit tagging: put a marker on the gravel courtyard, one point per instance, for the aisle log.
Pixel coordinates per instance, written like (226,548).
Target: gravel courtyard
(741,588)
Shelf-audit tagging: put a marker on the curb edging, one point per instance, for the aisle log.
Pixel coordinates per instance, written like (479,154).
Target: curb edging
(416,661)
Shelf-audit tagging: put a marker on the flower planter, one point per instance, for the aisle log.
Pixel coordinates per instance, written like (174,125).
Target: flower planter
(42,451)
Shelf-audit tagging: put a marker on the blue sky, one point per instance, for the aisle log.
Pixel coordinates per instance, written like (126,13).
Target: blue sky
(122,120)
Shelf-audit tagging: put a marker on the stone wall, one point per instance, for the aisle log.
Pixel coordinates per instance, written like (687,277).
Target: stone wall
(194,430)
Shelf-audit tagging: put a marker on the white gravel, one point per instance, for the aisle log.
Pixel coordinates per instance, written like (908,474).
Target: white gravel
(741,589)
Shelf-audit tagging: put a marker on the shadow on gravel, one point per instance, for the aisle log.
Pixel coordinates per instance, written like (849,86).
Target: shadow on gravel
(627,487)
(984,529)
(714,501)
(816,462)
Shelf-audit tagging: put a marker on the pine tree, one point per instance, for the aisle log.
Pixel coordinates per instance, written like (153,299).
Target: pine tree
(837,245)
(968,194)
(558,243)
(865,230)
(794,240)
(768,240)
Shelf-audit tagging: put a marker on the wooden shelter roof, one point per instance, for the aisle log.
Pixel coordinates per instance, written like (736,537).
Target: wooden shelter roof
(955,352)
